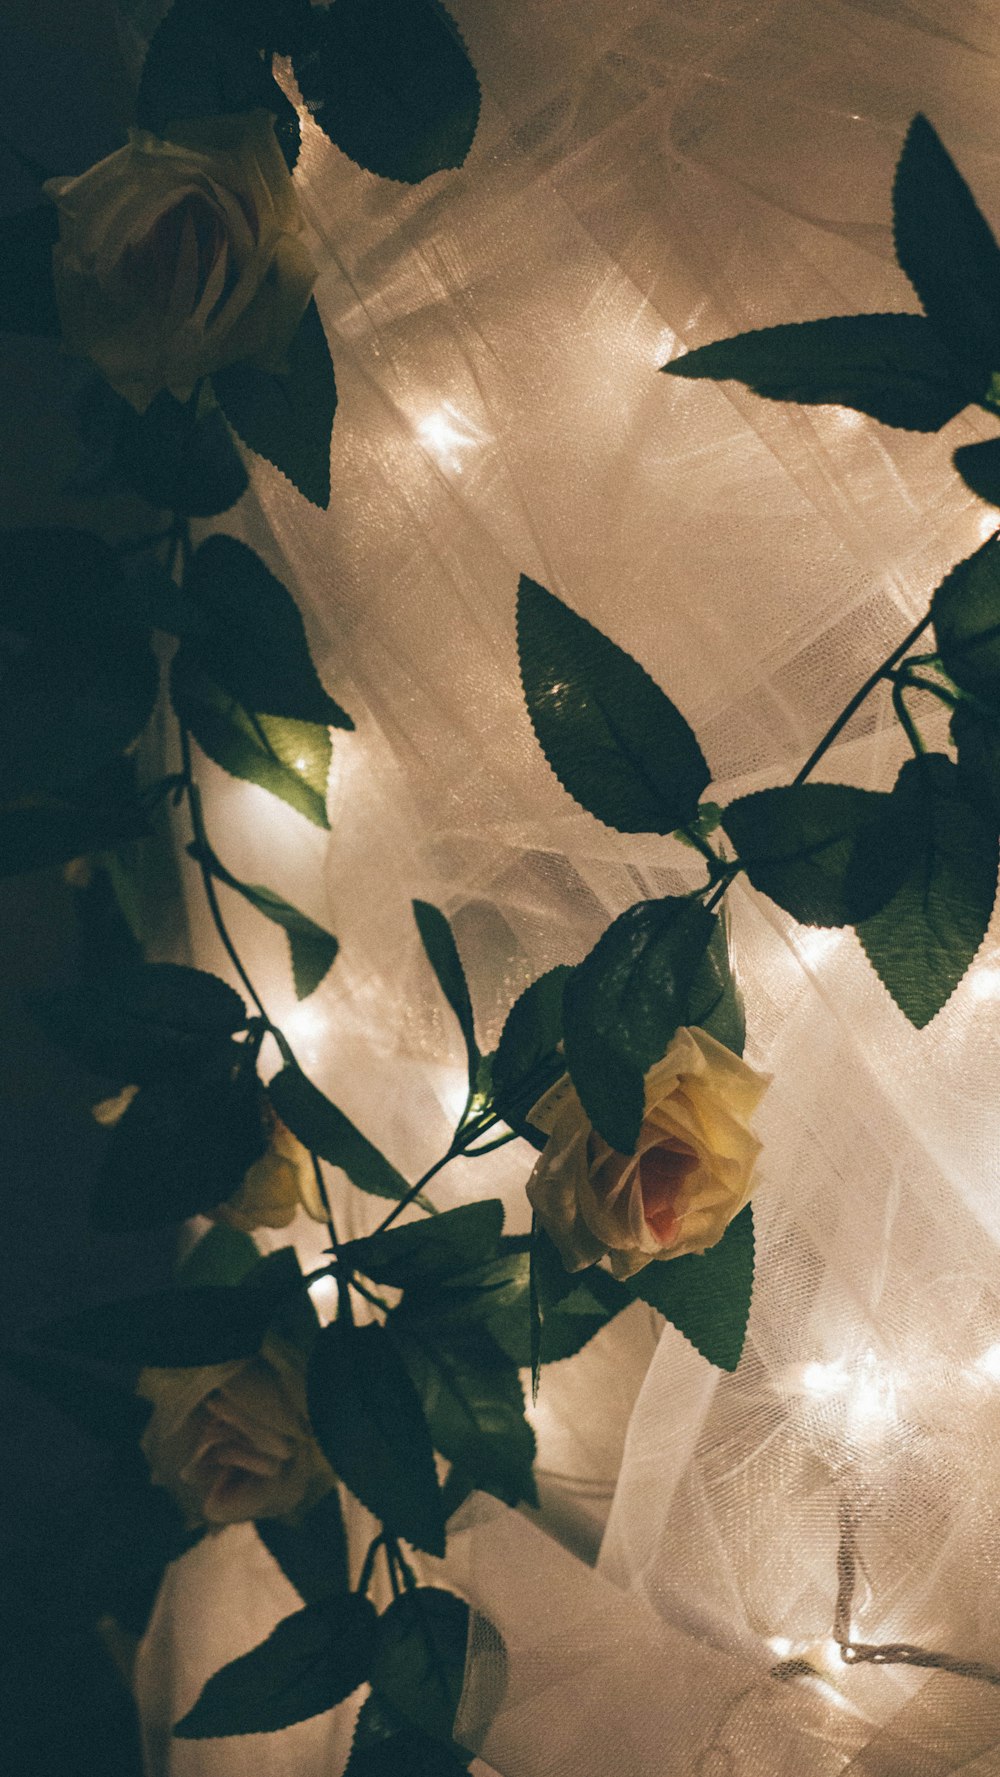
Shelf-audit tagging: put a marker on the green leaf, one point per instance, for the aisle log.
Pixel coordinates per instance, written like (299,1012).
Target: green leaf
(202,62)
(27,289)
(420,1658)
(101,1407)
(966,613)
(431,1250)
(312,949)
(179,458)
(623,1004)
(530,1039)
(442,954)
(496,1296)
(939,859)
(254,642)
(49,830)
(391,83)
(290,759)
(472,1399)
(612,737)
(222,1256)
(947,250)
(976,734)
(715,1003)
(107,948)
(169,1329)
(288,419)
(706,1295)
(324,1130)
(312,1554)
(310,1662)
(371,1427)
(182,1147)
(892,367)
(807,847)
(150,1020)
(979,467)
(385,1745)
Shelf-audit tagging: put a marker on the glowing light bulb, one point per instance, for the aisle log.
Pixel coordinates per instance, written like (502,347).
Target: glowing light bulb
(824,1380)
(984,982)
(305,1027)
(816,946)
(445,433)
(871,1402)
(780,1645)
(323,1296)
(987,525)
(989,1364)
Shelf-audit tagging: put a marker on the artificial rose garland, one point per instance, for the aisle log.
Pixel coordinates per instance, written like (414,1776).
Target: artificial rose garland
(178,257)
(691,1173)
(232,1441)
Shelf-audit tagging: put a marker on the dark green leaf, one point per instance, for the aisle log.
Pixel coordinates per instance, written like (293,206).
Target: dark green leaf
(57,583)
(391,83)
(222,1256)
(284,25)
(623,1004)
(429,1250)
(807,847)
(310,1662)
(254,642)
(290,759)
(369,1422)
(706,1295)
(715,1003)
(288,419)
(947,250)
(53,829)
(979,467)
(497,1297)
(442,954)
(146,1022)
(529,1038)
(387,1746)
(420,1658)
(312,949)
(976,734)
(939,856)
(892,367)
(324,1130)
(104,1408)
(473,1403)
(203,62)
(182,1147)
(171,1329)
(966,613)
(27,290)
(107,948)
(178,458)
(312,1554)
(130,1532)
(612,737)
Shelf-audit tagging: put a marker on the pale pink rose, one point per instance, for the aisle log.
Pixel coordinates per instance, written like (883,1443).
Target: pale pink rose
(691,1173)
(177,258)
(232,1441)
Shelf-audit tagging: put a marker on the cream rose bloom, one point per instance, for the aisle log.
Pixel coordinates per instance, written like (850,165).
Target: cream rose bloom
(691,1173)
(177,258)
(232,1441)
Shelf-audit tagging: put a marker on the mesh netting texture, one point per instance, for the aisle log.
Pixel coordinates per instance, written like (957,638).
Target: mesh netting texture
(648,177)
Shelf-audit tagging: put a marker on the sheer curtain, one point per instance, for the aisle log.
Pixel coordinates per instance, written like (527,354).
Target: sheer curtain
(647,177)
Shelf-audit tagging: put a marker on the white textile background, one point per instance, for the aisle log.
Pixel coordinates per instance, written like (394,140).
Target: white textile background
(649,176)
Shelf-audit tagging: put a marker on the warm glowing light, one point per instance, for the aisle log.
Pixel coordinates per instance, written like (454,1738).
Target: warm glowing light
(824,1379)
(987,525)
(306,1027)
(984,982)
(446,432)
(816,947)
(872,1398)
(301,763)
(989,1363)
(323,1296)
(780,1645)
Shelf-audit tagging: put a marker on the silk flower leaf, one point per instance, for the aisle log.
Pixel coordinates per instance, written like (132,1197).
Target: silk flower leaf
(441,950)
(613,738)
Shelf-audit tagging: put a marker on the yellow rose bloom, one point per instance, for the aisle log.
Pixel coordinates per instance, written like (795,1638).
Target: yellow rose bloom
(177,258)
(691,1173)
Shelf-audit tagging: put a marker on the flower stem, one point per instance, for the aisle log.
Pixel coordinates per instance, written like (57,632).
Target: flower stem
(849,709)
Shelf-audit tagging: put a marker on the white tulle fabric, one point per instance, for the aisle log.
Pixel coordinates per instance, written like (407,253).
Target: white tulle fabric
(649,176)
